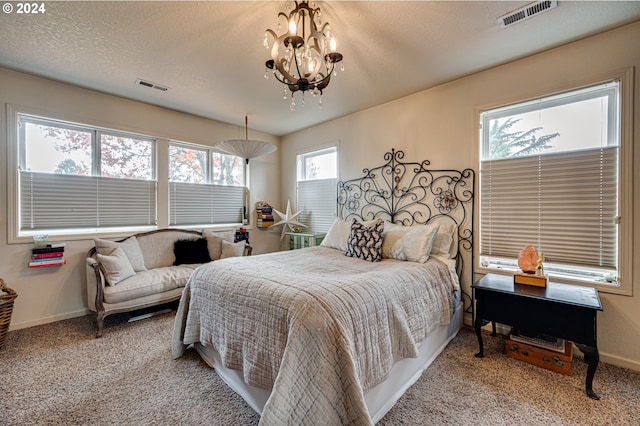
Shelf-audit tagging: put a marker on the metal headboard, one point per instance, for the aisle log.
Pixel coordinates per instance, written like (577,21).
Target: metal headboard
(409,193)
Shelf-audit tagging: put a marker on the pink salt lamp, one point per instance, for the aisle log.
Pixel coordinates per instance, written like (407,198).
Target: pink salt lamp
(528,259)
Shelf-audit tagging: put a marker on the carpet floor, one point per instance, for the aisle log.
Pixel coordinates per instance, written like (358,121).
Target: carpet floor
(59,374)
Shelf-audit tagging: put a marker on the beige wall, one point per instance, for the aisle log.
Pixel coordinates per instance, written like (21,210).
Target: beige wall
(52,294)
(440,124)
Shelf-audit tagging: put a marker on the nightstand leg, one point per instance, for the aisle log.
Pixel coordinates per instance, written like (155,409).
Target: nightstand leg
(478,326)
(591,357)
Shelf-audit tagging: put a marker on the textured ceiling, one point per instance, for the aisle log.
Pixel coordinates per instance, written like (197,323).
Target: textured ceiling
(211,56)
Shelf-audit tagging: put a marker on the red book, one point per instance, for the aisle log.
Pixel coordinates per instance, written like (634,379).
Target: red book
(47,255)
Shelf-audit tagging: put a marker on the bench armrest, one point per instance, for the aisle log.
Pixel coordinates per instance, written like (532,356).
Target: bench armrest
(95,284)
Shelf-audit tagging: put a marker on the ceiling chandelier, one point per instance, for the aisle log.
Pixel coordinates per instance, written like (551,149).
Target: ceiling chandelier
(304,55)
(246,148)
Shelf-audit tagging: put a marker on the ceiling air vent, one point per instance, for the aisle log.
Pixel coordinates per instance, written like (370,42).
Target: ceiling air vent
(526,12)
(146,83)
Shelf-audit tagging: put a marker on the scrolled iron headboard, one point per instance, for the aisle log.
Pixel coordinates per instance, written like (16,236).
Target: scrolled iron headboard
(410,193)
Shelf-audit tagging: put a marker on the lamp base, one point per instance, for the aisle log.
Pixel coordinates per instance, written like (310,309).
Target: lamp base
(530,279)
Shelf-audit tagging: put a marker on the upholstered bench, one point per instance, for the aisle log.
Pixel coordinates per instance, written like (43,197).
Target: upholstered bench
(150,268)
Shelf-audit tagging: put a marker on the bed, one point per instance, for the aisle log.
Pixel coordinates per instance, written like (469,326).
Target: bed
(313,336)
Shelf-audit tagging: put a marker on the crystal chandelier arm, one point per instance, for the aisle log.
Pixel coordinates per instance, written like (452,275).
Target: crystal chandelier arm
(325,81)
(273,34)
(278,63)
(295,60)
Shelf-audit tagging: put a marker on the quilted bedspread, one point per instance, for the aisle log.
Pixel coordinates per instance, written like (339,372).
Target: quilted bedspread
(313,326)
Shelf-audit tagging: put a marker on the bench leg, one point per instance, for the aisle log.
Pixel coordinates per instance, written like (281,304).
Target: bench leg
(100,323)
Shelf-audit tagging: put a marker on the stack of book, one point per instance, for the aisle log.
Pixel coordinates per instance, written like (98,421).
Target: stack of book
(265,216)
(51,255)
(541,340)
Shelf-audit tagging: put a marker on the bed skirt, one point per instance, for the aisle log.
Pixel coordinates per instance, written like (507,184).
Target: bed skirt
(381,398)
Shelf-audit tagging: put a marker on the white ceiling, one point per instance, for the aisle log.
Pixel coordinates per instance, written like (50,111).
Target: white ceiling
(211,55)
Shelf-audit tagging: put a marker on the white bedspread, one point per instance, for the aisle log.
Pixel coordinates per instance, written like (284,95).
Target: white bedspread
(315,327)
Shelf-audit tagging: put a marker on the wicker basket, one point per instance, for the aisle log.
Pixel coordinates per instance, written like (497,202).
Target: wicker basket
(7,296)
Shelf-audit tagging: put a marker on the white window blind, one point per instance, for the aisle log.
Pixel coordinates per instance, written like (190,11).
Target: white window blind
(59,201)
(318,200)
(565,204)
(205,204)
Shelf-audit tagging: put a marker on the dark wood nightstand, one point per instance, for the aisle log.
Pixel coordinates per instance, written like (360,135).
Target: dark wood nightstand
(560,310)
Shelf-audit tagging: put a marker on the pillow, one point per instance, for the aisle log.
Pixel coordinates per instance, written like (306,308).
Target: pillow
(214,242)
(232,249)
(391,234)
(337,235)
(191,251)
(415,244)
(423,238)
(116,266)
(131,248)
(365,242)
(445,244)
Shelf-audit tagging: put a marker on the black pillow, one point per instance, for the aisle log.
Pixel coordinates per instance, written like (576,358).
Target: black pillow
(191,251)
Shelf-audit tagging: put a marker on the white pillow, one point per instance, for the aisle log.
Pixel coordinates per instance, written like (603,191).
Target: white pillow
(415,244)
(445,244)
(339,232)
(131,249)
(232,249)
(116,266)
(390,235)
(214,242)
(337,235)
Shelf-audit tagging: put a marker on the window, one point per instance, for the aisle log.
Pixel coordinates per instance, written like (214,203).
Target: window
(74,178)
(205,187)
(551,175)
(317,183)
(71,180)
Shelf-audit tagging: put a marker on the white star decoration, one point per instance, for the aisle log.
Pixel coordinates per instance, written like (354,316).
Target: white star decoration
(287,220)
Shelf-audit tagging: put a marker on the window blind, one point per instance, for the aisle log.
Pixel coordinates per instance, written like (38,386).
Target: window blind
(565,204)
(318,200)
(205,204)
(58,201)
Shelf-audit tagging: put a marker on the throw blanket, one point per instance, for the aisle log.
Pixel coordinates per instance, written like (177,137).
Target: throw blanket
(313,326)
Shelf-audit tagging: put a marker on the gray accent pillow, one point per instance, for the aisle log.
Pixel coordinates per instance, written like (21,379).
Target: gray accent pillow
(130,246)
(115,266)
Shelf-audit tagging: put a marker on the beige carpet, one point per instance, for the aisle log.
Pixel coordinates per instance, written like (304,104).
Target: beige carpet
(59,374)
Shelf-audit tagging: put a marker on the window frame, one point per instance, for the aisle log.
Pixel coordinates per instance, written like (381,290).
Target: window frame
(316,152)
(624,178)
(16,162)
(301,158)
(209,177)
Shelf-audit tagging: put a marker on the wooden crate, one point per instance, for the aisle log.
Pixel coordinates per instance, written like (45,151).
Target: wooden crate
(560,362)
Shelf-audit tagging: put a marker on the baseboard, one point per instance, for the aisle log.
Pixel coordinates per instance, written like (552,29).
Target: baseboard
(47,320)
(605,357)
(619,362)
